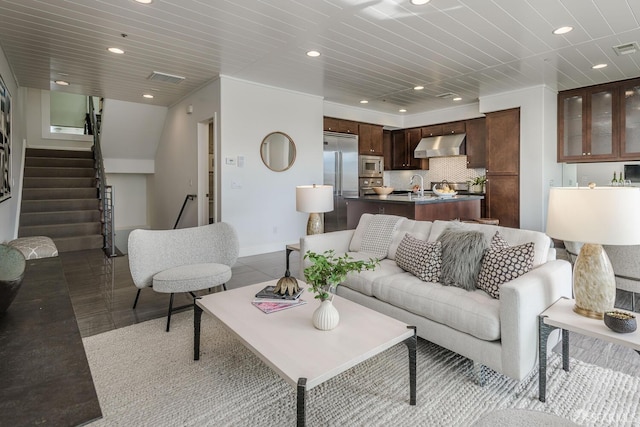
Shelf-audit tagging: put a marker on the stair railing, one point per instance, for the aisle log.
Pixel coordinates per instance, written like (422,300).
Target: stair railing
(186,199)
(105,192)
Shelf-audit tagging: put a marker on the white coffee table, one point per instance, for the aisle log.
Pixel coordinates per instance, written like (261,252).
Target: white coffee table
(301,354)
(560,315)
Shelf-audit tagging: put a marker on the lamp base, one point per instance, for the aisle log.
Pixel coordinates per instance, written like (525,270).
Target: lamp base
(315,225)
(594,283)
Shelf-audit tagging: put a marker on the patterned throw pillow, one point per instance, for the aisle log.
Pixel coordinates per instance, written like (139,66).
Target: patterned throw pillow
(421,258)
(500,266)
(462,252)
(498,242)
(377,237)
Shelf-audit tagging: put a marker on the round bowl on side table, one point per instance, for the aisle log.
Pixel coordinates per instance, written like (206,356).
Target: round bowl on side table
(12,265)
(383,191)
(620,321)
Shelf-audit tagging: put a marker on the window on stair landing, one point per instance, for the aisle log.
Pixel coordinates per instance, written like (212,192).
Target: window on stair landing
(69,113)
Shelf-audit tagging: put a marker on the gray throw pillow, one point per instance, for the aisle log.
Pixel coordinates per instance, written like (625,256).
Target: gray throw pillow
(462,253)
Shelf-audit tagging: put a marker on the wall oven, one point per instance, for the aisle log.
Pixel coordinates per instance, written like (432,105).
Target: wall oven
(371,166)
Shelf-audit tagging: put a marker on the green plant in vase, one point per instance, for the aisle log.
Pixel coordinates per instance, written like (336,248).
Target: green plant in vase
(479,181)
(327,271)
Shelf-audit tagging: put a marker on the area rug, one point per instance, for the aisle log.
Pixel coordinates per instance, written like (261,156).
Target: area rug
(145,376)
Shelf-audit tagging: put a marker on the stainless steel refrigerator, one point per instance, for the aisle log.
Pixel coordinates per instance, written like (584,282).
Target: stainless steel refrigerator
(341,171)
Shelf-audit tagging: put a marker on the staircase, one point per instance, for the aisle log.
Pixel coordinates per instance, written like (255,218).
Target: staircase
(60,199)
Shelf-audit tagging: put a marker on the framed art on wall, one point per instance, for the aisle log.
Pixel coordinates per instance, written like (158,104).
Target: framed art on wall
(5,142)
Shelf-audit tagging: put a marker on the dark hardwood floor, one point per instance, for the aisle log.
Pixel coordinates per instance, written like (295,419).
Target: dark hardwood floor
(102,294)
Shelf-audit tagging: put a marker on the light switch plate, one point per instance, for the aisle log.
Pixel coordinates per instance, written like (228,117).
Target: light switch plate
(230,161)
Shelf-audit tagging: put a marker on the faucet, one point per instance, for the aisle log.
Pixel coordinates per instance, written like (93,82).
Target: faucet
(421,183)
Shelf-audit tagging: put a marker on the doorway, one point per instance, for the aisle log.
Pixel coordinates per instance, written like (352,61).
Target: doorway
(208,206)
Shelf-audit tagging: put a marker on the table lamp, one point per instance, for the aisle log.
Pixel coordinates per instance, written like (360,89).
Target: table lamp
(595,216)
(314,200)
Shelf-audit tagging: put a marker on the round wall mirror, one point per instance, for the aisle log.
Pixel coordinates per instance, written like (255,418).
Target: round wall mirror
(278,151)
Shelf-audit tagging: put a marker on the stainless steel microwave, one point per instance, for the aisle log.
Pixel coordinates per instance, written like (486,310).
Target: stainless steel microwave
(371,166)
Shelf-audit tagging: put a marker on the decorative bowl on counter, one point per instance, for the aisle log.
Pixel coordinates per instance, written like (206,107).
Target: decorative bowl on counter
(383,191)
(620,321)
(443,190)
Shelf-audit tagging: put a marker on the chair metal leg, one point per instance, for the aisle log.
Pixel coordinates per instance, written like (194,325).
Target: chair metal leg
(224,286)
(170,310)
(137,296)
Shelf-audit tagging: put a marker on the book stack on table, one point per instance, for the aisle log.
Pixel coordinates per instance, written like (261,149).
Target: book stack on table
(269,301)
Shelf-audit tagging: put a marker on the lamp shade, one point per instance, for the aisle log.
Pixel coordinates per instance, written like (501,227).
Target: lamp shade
(314,198)
(603,215)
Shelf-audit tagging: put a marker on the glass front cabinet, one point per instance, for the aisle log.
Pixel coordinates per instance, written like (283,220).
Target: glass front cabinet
(600,123)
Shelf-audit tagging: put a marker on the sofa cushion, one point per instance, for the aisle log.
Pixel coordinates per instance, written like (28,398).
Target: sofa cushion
(513,236)
(421,258)
(503,265)
(375,233)
(475,313)
(418,229)
(462,253)
(363,281)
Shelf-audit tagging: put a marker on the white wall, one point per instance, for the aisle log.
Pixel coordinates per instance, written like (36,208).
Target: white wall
(538,165)
(9,207)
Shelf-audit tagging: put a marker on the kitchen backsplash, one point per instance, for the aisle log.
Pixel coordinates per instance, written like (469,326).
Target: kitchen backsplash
(453,169)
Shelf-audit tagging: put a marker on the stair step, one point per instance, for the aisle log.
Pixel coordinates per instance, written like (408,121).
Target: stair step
(42,152)
(79,243)
(52,205)
(35,171)
(61,230)
(56,182)
(59,217)
(58,162)
(59,193)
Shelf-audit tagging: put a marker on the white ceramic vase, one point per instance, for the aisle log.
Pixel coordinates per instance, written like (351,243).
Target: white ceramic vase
(326,317)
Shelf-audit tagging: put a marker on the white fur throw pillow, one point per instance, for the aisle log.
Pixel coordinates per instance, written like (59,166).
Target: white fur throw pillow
(462,253)
(421,258)
(500,266)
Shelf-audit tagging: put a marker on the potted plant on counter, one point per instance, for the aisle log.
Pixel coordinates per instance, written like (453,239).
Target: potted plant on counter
(326,272)
(477,184)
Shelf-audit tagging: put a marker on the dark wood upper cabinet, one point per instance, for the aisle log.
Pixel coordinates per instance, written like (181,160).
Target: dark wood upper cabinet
(403,144)
(370,139)
(475,143)
(630,120)
(339,125)
(387,149)
(433,130)
(453,128)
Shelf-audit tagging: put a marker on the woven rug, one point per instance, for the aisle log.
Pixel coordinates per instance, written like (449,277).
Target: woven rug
(147,377)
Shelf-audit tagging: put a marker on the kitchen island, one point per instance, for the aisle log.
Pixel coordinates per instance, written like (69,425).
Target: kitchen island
(426,208)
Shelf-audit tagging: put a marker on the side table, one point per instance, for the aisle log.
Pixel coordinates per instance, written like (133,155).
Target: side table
(560,315)
(291,248)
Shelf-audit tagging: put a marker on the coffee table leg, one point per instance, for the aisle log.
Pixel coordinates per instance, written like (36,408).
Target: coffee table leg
(197,317)
(411,346)
(301,417)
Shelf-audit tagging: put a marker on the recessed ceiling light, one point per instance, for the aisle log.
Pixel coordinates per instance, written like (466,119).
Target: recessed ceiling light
(144,1)
(402,110)
(61,83)
(457,98)
(313,53)
(562,30)
(419,2)
(364,101)
(598,66)
(418,87)
(147,95)
(115,50)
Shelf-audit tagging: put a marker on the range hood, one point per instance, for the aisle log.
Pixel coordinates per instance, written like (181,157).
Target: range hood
(439,146)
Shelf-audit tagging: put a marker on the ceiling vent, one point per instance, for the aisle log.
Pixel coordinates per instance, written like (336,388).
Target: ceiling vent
(157,76)
(625,49)
(446,95)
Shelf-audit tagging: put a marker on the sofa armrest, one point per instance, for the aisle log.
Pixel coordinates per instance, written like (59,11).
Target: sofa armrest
(337,240)
(521,301)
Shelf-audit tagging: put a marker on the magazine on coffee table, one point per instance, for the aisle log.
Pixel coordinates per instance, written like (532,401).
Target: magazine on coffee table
(272,307)
(268,293)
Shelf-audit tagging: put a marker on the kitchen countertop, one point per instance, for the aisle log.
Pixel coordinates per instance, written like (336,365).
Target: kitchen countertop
(428,198)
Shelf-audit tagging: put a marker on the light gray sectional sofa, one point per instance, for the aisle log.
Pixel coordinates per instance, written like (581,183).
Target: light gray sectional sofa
(500,333)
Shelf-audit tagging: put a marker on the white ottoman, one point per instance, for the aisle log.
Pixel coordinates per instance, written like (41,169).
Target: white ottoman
(35,247)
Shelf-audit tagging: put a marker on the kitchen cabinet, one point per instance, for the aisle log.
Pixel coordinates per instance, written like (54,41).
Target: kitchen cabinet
(433,130)
(340,125)
(370,139)
(403,144)
(502,198)
(387,149)
(475,143)
(630,120)
(453,128)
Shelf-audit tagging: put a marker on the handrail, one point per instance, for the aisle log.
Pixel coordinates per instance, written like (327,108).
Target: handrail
(106,200)
(187,198)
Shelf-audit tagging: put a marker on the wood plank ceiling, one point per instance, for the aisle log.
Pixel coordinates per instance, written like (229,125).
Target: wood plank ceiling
(376,50)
